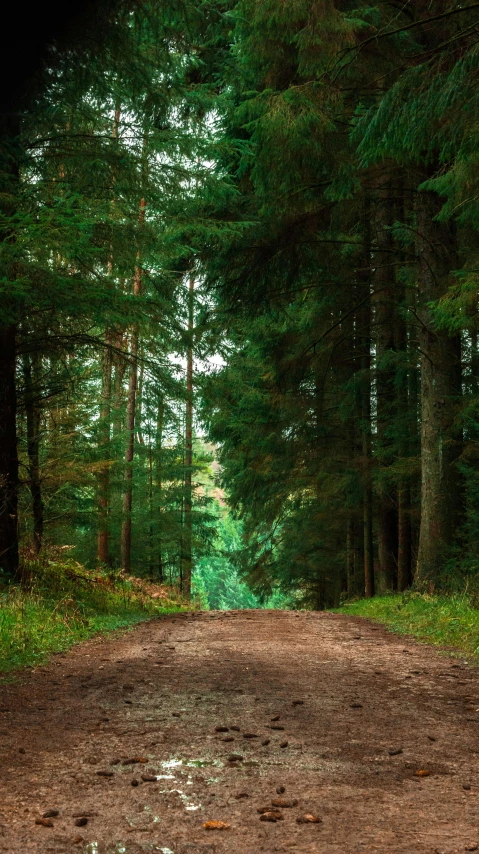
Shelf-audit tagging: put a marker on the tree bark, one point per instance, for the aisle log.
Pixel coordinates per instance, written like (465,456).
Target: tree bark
(103,546)
(130,420)
(159,484)
(364,323)
(440,362)
(384,301)
(103,549)
(33,418)
(9,178)
(187,539)
(404,537)
(8,454)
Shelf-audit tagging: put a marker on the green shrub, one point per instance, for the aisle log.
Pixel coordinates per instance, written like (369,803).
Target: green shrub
(60,603)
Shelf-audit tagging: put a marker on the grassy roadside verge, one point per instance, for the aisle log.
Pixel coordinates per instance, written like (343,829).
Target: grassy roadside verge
(441,620)
(63,604)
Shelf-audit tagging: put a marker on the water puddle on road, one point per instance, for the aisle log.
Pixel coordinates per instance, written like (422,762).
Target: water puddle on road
(191,763)
(178,771)
(126,848)
(143,819)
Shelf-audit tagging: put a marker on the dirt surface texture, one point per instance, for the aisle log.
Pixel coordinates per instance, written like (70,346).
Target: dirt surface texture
(242,732)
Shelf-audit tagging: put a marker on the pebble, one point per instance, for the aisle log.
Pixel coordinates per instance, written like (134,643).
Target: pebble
(275,718)
(265,742)
(250,735)
(148,778)
(235,728)
(280,790)
(81,822)
(356,706)
(220,728)
(235,757)
(284,744)
(50,813)
(298,703)
(229,738)
(21,750)
(395,751)
(467,788)
(277,727)
(285,803)
(241,795)
(135,782)
(104,773)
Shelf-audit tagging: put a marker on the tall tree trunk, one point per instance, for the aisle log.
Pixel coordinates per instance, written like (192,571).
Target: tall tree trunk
(8,454)
(188,505)
(33,417)
(440,362)
(406,403)
(103,550)
(130,420)
(405,409)
(9,177)
(119,370)
(384,300)
(159,484)
(364,323)
(103,489)
(353,559)
(404,536)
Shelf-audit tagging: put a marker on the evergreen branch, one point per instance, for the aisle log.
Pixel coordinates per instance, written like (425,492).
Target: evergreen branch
(415,24)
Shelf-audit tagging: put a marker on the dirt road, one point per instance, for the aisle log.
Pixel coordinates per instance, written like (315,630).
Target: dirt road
(340,714)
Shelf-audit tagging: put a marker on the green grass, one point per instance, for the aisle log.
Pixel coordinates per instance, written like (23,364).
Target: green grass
(64,605)
(443,620)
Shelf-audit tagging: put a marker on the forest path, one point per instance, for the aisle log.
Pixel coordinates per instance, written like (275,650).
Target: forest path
(158,693)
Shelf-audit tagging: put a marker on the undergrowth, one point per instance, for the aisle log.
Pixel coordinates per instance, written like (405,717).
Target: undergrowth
(443,620)
(60,603)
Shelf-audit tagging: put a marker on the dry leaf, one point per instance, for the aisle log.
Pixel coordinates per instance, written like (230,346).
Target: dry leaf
(216,825)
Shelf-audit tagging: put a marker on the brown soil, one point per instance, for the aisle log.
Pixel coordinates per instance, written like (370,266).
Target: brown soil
(158,693)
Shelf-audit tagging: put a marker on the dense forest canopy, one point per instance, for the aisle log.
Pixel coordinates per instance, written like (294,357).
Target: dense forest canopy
(239,327)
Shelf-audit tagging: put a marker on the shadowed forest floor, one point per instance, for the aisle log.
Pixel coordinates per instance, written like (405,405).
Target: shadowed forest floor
(336,711)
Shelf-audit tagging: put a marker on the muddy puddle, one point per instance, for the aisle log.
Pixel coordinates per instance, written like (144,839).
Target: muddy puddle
(176,778)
